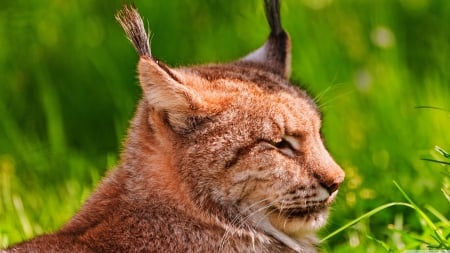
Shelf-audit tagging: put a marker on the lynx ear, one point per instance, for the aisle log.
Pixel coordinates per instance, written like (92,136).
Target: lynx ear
(164,91)
(276,52)
(162,88)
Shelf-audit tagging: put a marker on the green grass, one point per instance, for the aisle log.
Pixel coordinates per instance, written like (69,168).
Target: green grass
(435,234)
(68,90)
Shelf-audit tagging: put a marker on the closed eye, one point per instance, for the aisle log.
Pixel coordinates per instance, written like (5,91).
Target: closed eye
(288,145)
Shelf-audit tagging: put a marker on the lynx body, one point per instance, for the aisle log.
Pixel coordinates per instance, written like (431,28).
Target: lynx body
(218,158)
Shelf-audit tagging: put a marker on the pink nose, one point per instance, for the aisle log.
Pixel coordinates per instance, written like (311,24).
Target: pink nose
(333,184)
(330,177)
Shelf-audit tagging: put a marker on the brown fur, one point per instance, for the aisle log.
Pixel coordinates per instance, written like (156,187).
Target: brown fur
(219,158)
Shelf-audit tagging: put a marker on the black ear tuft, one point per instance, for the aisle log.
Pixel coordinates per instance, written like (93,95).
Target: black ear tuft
(276,52)
(272,8)
(132,24)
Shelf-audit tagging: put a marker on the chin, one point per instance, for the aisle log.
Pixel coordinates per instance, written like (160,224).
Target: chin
(300,225)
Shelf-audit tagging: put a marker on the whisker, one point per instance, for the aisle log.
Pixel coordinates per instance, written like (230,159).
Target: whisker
(239,222)
(321,94)
(329,101)
(333,85)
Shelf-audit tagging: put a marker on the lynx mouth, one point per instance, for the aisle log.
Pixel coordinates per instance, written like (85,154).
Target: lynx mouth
(301,212)
(297,222)
(304,208)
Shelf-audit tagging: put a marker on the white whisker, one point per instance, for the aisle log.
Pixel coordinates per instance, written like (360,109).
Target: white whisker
(239,222)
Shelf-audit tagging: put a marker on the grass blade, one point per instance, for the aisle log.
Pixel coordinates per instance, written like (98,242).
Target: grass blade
(442,152)
(439,236)
(435,161)
(364,216)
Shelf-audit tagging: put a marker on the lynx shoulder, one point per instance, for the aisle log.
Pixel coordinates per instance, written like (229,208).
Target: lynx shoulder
(218,158)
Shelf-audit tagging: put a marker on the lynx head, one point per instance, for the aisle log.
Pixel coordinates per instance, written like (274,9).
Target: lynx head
(244,141)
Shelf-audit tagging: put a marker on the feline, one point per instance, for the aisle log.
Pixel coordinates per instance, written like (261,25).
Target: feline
(218,158)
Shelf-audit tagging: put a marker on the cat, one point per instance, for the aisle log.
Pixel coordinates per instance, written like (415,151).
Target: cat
(218,158)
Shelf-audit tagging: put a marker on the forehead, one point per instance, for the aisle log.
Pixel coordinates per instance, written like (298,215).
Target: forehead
(294,111)
(267,95)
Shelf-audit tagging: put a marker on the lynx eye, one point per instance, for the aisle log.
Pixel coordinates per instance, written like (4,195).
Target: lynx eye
(288,145)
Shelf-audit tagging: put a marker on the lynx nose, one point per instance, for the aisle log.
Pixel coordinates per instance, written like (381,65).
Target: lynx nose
(333,184)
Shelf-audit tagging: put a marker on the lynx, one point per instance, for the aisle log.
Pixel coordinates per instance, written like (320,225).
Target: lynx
(219,158)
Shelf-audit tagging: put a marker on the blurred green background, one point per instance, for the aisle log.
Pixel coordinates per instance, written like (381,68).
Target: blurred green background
(68,90)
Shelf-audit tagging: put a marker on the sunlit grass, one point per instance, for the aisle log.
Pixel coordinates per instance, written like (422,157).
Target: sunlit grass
(68,90)
(435,234)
